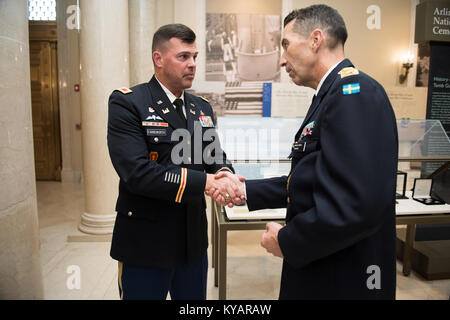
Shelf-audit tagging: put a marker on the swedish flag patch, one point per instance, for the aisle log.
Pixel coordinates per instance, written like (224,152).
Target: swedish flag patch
(351,88)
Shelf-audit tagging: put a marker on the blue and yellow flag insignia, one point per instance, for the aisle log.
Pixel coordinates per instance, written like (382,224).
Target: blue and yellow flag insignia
(350,88)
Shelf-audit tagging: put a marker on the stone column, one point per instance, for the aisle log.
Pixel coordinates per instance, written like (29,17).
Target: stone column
(193,14)
(69,100)
(142,22)
(104,67)
(286,8)
(20,263)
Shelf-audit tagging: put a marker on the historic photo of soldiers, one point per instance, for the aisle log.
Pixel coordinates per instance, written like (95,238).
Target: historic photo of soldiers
(242,50)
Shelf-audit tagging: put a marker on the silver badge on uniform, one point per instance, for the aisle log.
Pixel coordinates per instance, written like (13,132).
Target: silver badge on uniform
(153,117)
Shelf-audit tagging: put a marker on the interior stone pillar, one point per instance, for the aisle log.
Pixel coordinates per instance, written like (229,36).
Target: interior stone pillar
(286,8)
(142,22)
(193,14)
(20,263)
(64,91)
(104,67)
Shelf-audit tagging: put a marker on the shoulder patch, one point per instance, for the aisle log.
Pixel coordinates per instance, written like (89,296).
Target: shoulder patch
(349,71)
(124,90)
(203,98)
(351,88)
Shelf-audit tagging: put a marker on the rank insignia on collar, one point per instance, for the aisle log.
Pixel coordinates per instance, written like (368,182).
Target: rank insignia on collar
(351,88)
(166,110)
(349,71)
(124,90)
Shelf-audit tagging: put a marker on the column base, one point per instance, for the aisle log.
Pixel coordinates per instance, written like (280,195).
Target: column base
(97,224)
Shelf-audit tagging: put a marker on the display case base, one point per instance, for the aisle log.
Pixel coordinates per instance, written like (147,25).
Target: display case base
(431,259)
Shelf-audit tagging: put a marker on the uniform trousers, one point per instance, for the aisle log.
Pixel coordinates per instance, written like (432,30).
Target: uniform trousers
(187,282)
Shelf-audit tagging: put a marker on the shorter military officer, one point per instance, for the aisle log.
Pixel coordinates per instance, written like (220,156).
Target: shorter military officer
(339,238)
(160,233)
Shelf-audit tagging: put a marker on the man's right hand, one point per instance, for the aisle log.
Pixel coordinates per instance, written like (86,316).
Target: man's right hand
(225,188)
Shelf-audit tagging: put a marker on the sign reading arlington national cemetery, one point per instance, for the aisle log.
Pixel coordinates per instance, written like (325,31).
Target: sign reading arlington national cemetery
(433,21)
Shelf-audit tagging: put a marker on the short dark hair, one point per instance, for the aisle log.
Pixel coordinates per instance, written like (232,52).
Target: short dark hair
(169,31)
(322,17)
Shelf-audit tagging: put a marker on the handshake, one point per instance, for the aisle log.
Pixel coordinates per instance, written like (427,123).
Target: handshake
(226,188)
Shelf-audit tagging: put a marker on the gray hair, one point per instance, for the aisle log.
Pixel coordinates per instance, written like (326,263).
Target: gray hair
(319,17)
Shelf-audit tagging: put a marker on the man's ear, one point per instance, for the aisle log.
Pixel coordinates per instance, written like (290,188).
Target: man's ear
(157,58)
(317,39)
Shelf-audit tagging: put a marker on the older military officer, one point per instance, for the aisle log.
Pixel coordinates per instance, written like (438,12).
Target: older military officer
(160,233)
(339,238)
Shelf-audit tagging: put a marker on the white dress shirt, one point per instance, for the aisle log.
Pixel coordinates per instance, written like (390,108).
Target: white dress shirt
(172,97)
(324,77)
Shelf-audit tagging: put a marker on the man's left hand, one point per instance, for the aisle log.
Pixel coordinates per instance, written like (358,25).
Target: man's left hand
(269,239)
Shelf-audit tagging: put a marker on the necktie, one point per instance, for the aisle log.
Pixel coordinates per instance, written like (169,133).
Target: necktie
(179,106)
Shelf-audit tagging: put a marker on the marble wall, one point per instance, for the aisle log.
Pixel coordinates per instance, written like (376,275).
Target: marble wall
(20,264)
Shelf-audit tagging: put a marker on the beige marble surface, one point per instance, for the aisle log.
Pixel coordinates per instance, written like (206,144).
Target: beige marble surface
(142,24)
(104,67)
(20,272)
(252,273)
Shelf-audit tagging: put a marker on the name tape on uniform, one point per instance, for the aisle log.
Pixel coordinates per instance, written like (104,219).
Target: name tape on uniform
(156,132)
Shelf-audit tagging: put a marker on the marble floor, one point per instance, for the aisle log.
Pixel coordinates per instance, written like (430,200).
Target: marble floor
(251,273)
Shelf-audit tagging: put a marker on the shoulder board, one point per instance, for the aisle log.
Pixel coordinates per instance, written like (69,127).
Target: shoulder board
(124,90)
(349,71)
(203,98)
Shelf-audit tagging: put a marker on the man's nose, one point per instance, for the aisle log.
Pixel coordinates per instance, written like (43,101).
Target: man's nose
(192,63)
(283,60)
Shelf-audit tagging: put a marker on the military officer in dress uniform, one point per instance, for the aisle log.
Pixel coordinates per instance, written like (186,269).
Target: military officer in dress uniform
(339,238)
(160,233)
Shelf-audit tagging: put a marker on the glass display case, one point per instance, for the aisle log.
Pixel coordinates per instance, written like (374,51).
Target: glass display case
(259,148)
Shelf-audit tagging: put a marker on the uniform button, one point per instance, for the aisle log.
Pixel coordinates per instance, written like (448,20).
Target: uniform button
(156,139)
(212,139)
(189,142)
(130,214)
(189,159)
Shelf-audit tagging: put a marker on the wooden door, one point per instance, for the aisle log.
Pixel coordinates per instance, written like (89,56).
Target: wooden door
(44,101)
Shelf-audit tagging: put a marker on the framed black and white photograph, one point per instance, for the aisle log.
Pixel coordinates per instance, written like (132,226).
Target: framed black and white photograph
(243,50)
